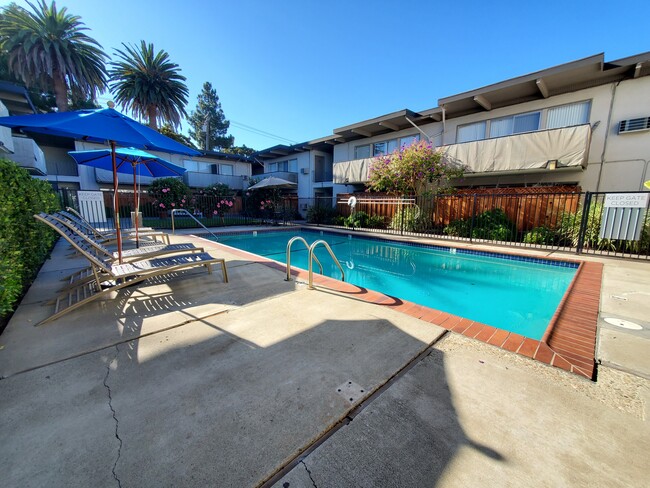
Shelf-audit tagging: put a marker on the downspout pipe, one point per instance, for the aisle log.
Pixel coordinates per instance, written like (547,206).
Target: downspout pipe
(607,129)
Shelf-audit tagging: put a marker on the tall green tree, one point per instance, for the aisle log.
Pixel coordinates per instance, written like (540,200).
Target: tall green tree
(48,48)
(149,84)
(241,150)
(209,117)
(168,130)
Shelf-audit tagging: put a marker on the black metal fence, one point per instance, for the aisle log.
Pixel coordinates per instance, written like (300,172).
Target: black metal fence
(613,224)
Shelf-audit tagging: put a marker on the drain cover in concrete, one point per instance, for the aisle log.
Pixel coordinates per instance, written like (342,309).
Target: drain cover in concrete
(625,324)
(351,391)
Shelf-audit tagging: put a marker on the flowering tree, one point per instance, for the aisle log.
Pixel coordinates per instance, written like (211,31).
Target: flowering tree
(169,193)
(415,170)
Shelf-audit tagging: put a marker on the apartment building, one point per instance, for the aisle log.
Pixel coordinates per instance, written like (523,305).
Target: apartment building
(583,123)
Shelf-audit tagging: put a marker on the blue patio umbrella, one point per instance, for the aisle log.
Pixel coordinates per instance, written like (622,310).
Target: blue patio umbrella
(105,126)
(126,161)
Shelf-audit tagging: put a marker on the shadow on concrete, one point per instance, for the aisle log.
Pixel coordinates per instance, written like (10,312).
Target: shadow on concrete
(405,437)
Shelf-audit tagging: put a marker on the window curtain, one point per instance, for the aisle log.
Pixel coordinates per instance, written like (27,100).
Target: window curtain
(568,115)
(471,132)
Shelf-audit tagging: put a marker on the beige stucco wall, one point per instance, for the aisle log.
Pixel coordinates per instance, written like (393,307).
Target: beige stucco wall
(626,157)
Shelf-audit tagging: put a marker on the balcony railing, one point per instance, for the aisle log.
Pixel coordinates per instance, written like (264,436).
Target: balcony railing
(29,156)
(567,147)
(195,179)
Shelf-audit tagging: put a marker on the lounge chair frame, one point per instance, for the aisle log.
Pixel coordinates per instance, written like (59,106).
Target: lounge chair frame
(109,277)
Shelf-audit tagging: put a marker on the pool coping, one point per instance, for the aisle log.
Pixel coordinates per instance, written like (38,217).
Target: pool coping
(569,342)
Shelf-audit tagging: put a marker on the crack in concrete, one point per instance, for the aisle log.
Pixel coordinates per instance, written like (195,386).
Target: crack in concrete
(309,473)
(117,423)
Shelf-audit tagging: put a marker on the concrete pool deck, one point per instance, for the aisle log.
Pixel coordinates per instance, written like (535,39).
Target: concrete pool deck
(193,382)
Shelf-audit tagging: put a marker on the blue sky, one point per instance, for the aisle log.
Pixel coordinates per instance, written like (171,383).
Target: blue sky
(298,69)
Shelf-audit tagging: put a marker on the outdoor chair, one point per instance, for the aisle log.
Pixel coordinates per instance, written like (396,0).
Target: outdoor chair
(110,277)
(110,237)
(129,255)
(85,220)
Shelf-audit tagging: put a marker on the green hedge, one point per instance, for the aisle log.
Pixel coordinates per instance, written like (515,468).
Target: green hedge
(24,242)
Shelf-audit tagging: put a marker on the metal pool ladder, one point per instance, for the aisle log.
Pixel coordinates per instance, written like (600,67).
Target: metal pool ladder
(188,214)
(312,257)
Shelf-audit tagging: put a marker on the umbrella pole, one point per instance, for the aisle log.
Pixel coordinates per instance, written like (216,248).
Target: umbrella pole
(136,204)
(116,204)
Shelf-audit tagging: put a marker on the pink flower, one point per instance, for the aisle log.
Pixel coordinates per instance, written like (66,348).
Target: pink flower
(162,205)
(221,202)
(230,204)
(173,204)
(165,190)
(214,212)
(183,200)
(218,205)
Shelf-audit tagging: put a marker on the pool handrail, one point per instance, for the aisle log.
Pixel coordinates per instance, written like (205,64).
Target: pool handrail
(186,212)
(289,244)
(314,245)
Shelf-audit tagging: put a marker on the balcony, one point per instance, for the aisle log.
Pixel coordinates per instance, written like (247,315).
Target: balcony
(567,148)
(195,179)
(352,172)
(28,155)
(285,175)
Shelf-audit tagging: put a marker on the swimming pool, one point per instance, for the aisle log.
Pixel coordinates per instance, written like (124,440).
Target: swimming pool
(517,294)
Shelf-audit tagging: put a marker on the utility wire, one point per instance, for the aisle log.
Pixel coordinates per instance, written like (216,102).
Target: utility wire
(261,132)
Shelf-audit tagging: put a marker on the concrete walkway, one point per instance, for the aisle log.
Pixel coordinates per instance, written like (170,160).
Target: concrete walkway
(193,382)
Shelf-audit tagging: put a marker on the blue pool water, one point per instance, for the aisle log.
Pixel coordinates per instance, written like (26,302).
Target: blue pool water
(515,295)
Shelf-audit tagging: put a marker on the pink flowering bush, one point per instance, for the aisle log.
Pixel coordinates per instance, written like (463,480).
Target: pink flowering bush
(415,170)
(223,199)
(169,193)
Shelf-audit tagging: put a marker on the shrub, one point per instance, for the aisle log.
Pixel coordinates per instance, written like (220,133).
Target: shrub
(357,219)
(458,228)
(24,242)
(569,228)
(320,214)
(492,225)
(540,235)
(409,219)
(169,193)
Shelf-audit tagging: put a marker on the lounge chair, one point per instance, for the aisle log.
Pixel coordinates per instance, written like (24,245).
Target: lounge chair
(99,250)
(110,237)
(83,219)
(110,277)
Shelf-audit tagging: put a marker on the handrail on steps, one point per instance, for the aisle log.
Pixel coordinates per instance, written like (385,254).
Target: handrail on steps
(312,256)
(187,213)
(289,244)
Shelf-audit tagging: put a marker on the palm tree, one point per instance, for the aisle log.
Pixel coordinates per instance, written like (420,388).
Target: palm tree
(47,47)
(149,84)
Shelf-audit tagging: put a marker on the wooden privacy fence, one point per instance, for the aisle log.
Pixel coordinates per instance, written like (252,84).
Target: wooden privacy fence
(527,207)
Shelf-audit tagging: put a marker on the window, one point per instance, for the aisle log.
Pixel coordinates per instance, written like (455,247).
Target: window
(191,165)
(515,124)
(568,115)
(226,169)
(384,147)
(408,140)
(293,165)
(272,167)
(361,152)
(471,132)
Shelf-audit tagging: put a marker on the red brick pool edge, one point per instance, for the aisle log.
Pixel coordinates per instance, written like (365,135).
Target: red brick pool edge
(570,343)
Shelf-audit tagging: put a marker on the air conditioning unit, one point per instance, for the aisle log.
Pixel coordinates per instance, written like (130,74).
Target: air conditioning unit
(634,125)
(304,171)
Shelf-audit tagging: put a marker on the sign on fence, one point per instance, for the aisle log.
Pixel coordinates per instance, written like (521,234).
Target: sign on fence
(623,216)
(91,206)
